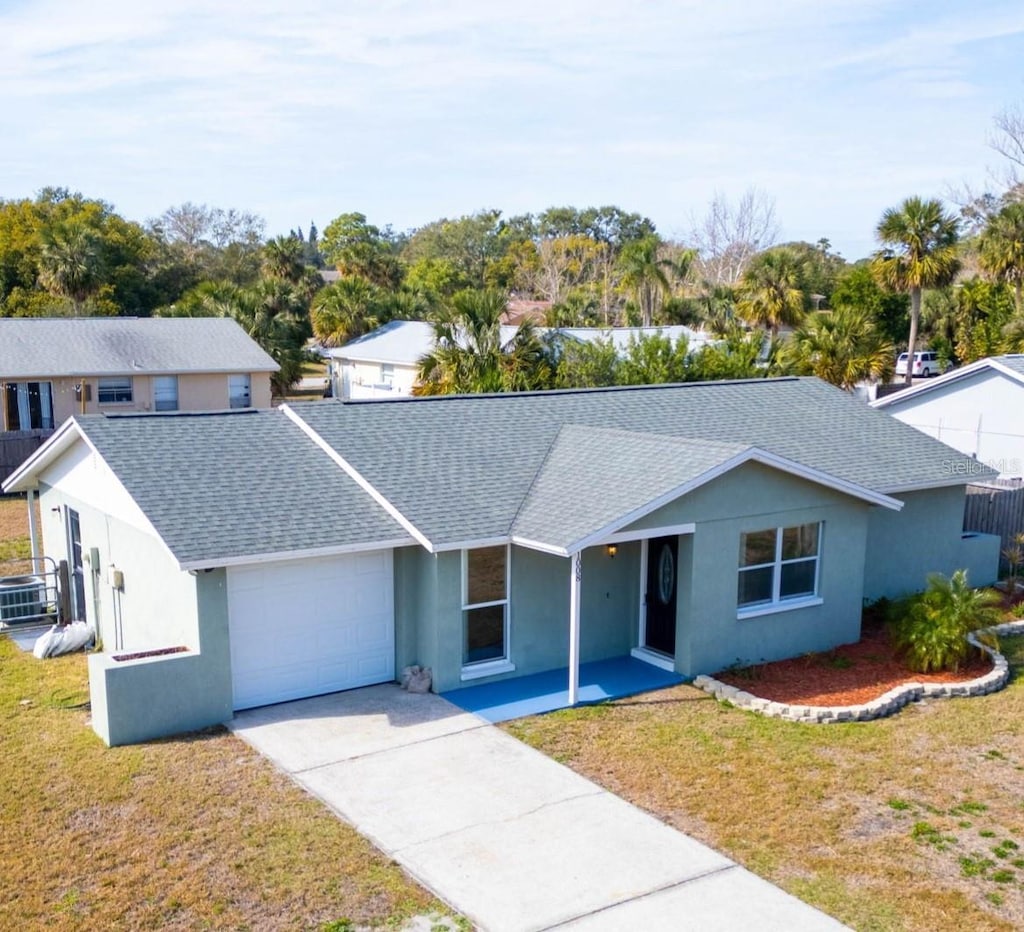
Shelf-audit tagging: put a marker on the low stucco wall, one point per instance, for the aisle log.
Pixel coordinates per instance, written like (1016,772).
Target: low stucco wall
(979,555)
(152,697)
(137,700)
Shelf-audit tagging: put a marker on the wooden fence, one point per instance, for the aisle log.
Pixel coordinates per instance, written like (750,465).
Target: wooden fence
(16,446)
(996,507)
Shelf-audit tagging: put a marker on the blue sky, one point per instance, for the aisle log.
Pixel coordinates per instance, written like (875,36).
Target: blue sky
(410,111)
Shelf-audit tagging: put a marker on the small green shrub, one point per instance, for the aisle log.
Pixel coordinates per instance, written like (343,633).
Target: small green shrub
(931,628)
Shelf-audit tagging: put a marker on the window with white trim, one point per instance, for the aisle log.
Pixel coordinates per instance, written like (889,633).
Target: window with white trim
(387,375)
(778,565)
(485,605)
(114,391)
(29,406)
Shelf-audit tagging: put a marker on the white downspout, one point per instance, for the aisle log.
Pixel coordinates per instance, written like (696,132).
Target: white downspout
(575,578)
(33,530)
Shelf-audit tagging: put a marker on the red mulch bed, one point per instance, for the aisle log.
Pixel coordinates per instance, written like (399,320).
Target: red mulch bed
(849,675)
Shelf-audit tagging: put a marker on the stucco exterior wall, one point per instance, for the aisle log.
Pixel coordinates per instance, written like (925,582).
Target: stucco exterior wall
(925,537)
(197,391)
(979,414)
(356,378)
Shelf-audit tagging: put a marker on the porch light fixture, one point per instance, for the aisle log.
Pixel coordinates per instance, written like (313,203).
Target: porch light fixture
(612,550)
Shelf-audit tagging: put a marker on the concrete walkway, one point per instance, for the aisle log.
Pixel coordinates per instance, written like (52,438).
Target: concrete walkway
(508,837)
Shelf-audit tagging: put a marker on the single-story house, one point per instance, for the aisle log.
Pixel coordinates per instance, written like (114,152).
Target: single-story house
(314,548)
(384,363)
(52,368)
(977,409)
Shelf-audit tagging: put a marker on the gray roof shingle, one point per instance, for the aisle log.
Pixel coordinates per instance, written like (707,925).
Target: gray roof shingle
(219,487)
(51,347)
(459,468)
(580,490)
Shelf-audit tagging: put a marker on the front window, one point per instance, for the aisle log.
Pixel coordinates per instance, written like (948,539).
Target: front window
(28,405)
(778,565)
(485,605)
(115,391)
(387,374)
(239,394)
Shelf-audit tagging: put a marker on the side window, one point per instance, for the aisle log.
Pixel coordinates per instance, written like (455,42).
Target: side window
(239,391)
(115,391)
(485,605)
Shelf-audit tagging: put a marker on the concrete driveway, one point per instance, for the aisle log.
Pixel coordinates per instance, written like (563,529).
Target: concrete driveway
(506,836)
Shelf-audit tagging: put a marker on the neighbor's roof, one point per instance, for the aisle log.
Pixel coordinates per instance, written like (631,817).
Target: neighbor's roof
(229,486)
(404,342)
(556,470)
(62,346)
(1011,366)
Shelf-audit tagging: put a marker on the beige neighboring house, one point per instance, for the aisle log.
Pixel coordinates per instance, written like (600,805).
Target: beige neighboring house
(53,368)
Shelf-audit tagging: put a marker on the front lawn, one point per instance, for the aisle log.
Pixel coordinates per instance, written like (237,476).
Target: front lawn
(187,833)
(914,822)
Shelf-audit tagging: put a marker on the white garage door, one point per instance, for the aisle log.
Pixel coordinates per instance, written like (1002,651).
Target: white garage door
(307,627)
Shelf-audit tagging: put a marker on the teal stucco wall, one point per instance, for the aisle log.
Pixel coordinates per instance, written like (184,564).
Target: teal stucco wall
(709,634)
(136,700)
(925,537)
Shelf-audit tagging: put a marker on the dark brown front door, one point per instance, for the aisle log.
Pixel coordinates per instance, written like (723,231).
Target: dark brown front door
(662,574)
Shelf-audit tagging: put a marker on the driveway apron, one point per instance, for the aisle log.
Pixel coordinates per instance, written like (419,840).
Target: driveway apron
(506,836)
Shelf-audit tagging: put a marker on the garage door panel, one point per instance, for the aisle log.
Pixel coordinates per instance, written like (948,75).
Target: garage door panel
(303,628)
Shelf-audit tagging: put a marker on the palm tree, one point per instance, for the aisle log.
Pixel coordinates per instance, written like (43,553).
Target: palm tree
(770,293)
(1002,250)
(644,275)
(282,258)
(842,347)
(346,309)
(919,251)
(470,356)
(70,261)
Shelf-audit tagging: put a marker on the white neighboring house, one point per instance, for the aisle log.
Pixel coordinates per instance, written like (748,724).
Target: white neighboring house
(384,363)
(978,409)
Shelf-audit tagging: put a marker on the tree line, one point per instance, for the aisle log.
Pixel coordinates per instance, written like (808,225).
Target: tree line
(949,280)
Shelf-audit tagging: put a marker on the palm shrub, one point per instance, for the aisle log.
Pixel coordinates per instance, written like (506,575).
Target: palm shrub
(931,628)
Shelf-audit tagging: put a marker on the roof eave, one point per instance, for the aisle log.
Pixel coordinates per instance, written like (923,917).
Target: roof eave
(55,445)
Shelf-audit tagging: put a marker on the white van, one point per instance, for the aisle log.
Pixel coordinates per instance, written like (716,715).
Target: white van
(926,363)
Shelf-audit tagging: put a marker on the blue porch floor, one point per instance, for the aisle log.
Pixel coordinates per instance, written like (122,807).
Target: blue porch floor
(545,692)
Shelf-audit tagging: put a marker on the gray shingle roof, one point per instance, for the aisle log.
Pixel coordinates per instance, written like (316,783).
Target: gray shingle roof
(1013,361)
(580,489)
(229,485)
(50,347)
(460,468)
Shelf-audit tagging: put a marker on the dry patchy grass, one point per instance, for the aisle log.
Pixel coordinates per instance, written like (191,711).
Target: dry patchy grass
(915,822)
(15,549)
(194,832)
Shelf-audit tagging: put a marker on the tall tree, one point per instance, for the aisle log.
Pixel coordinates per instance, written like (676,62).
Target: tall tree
(346,309)
(70,261)
(858,289)
(1002,249)
(842,347)
(770,293)
(919,240)
(643,274)
(731,234)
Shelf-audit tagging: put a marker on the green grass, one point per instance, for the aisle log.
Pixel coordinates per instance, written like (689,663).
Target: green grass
(866,821)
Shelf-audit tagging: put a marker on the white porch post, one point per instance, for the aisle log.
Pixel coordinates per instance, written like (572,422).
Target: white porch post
(575,577)
(33,531)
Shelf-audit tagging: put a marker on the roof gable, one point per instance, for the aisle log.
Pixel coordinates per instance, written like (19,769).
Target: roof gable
(1009,366)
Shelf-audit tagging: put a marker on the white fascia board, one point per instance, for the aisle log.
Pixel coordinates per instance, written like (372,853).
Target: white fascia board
(948,378)
(541,546)
(310,554)
(357,477)
(853,489)
(63,439)
(668,530)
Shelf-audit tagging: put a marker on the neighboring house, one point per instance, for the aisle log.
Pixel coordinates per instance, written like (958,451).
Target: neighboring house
(314,548)
(978,409)
(385,362)
(52,368)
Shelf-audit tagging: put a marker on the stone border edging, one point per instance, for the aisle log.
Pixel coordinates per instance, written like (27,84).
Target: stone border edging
(885,705)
